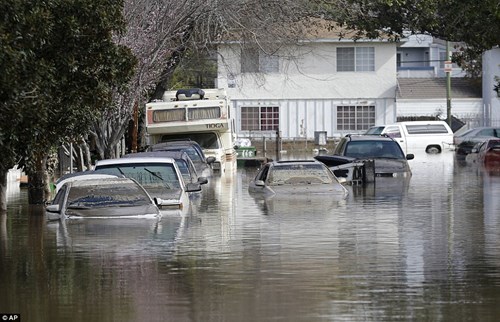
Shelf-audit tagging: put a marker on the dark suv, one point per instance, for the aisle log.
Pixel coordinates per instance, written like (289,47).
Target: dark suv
(388,157)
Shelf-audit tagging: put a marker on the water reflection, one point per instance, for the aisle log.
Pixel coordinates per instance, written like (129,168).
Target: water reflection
(426,248)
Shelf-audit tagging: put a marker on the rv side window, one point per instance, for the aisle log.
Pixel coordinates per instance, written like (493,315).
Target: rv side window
(426,129)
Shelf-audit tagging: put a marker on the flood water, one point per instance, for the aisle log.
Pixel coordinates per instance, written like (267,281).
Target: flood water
(423,249)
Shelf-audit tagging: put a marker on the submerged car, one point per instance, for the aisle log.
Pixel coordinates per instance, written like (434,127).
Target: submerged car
(387,155)
(193,149)
(297,178)
(102,198)
(184,162)
(160,177)
(488,153)
(464,142)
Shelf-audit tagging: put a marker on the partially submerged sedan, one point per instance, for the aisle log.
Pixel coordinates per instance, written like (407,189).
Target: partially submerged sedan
(487,154)
(160,177)
(102,198)
(388,157)
(297,178)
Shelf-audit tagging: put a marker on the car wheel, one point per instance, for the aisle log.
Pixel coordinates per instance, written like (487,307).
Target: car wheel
(433,150)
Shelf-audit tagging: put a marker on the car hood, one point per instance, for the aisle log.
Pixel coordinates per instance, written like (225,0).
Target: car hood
(308,190)
(165,194)
(148,211)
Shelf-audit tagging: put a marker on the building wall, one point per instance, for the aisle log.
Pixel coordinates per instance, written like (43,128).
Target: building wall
(491,68)
(469,111)
(300,118)
(308,88)
(311,73)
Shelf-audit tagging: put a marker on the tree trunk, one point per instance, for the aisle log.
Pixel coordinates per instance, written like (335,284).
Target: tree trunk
(3,192)
(86,155)
(38,182)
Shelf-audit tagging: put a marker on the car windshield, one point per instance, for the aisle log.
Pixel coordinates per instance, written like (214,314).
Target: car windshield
(106,195)
(149,175)
(300,174)
(374,149)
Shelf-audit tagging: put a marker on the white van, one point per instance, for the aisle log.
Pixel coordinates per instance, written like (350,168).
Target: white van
(419,136)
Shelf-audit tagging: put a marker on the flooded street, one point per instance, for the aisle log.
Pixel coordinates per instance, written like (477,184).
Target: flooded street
(427,248)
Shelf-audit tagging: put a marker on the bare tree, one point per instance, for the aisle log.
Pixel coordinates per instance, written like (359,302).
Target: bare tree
(160,33)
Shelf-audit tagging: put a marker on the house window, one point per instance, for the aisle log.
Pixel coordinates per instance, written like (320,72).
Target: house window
(259,118)
(355,118)
(256,61)
(355,59)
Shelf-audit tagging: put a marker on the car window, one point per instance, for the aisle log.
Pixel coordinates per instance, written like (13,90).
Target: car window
(392,131)
(149,175)
(106,195)
(486,132)
(299,173)
(375,130)
(374,149)
(262,175)
(59,198)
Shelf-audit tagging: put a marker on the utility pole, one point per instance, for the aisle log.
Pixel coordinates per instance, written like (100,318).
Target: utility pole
(448,68)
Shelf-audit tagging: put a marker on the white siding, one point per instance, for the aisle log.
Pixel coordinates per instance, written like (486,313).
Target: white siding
(463,108)
(491,68)
(300,118)
(311,74)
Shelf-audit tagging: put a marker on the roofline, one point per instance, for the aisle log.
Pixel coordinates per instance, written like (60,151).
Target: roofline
(135,160)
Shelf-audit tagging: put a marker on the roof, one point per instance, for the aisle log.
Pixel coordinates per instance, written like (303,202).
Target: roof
(368,138)
(134,160)
(435,87)
(159,154)
(313,29)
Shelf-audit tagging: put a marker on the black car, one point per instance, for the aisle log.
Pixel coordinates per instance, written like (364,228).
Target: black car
(388,157)
(193,149)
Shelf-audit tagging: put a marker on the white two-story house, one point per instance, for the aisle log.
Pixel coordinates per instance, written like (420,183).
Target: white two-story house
(330,84)
(336,85)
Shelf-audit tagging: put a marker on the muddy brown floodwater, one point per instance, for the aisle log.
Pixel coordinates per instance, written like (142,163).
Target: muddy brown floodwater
(427,248)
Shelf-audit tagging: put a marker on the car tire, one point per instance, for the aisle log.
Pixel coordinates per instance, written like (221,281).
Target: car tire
(433,149)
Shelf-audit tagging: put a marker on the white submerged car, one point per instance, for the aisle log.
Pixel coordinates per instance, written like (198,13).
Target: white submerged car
(160,177)
(297,179)
(90,197)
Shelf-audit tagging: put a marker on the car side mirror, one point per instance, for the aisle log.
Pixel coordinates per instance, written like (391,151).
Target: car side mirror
(474,150)
(202,180)
(259,183)
(410,156)
(193,187)
(210,160)
(53,208)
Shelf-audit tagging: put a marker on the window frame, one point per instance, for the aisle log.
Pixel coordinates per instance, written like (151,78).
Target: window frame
(356,113)
(254,60)
(362,60)
(260,118)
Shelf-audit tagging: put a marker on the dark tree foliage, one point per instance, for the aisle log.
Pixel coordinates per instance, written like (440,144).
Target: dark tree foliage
(59,66)
(475,23)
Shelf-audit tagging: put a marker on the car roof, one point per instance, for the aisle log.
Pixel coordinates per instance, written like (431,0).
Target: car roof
(288,162)
(83,175)
(135,160)
(175,154)
(176,143)
(102,181)
(368,138)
